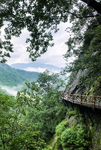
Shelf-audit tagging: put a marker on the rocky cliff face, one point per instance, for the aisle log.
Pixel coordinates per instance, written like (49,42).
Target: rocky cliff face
(95,130)
(91,117)
(76,86)
(78,122)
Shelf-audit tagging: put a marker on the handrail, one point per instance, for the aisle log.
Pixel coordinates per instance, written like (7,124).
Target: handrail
(87,100)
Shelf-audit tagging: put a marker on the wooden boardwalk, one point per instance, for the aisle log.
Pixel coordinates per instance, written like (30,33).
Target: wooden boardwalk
(84,100)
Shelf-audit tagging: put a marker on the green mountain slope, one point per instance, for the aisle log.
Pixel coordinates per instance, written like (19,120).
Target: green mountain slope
(30,76)
(12,77)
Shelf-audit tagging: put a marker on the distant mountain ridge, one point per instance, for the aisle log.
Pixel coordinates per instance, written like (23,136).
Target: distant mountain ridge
(34,65)
(12,77)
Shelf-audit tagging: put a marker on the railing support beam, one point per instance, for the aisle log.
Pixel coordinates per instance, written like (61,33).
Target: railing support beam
(81,100)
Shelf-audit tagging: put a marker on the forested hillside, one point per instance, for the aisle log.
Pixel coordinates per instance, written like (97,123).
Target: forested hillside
(29,121)
(12,77)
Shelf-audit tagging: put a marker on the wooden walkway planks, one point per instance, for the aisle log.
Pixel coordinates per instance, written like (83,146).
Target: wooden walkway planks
(85,100)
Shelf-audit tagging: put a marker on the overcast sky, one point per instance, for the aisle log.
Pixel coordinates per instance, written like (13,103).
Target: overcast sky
(53,56)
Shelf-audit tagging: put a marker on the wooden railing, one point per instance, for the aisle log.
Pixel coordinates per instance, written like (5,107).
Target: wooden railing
(86,100)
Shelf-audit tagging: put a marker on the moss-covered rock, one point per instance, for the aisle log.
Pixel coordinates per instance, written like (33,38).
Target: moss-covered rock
(71,133)
(77,132)
(95,134)
(96,87)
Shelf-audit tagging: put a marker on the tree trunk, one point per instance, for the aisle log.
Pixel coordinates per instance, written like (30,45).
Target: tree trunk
(94,4)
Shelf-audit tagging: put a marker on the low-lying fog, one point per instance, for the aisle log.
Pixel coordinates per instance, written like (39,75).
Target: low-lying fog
(12,90)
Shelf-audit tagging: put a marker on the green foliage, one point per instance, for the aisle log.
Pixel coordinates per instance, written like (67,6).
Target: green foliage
(87,55)
(70,136)
(43,110)
(13,133)
(46,115)
(48,80)
(61,127)
(74,139)
(96,87)
(48,148)
(29,96)
(71,113)
(40,17)
(28,140)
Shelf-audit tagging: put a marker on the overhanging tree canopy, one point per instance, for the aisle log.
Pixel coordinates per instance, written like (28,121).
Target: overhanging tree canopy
(40,18)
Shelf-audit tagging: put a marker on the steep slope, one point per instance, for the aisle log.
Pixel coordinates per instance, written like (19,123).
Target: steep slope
(12,77)
(30,76)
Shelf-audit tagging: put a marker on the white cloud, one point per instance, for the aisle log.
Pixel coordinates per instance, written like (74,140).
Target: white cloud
(35,69)
(40,70)
(53,56)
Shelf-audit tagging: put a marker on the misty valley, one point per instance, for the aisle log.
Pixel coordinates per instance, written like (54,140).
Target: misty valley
(28,119)
(36,117)
(12,79)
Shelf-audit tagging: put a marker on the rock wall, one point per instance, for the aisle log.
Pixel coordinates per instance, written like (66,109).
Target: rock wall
(76,86)
(77,118)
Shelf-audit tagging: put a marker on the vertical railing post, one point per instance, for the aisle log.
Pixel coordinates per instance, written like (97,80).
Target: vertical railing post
(100,101)
(81,99)
(69,95)
(94,102)
(73,98)
(86,99)
(63,95)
